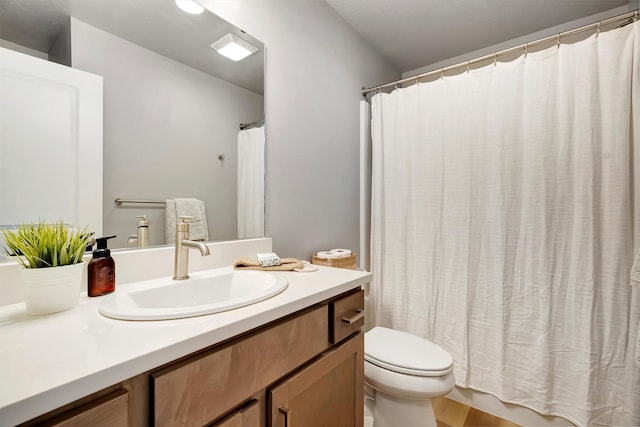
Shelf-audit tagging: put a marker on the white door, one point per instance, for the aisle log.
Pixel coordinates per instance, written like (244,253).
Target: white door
(50,143)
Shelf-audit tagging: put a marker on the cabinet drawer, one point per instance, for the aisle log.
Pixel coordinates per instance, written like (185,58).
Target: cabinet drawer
(346,316)
(247,416)
(111,410)
(201,389)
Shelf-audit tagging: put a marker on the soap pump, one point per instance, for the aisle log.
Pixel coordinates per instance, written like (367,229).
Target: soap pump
(101,270)
(141,238)
(143,231)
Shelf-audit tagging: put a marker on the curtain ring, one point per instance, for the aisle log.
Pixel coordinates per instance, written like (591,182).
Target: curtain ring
(526,49)
(558,41)
(598,30)
(495,59)
(468,66)
(395,86)
(635,15)
(441,73)
(418,80)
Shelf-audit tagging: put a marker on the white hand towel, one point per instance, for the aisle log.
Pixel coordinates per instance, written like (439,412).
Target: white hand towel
(178,207)
(170,221)
(638,347)
(635,281)
(635,271)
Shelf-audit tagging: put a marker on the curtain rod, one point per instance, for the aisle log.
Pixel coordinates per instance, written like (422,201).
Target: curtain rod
(250,125)
(629,16)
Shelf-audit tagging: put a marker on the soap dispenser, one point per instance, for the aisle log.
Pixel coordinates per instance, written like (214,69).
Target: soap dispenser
(101,270)
(143,231)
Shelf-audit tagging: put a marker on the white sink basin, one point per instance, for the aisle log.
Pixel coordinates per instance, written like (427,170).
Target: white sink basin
(204,292)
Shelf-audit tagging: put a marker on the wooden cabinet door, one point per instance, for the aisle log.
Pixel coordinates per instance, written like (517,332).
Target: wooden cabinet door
(327,393)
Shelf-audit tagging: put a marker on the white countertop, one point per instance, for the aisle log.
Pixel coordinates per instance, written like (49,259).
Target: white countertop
(49,361)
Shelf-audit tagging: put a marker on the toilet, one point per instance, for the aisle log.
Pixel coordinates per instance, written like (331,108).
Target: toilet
(403,372)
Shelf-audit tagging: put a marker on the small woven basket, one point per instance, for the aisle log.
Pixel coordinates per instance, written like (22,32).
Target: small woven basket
(344,262)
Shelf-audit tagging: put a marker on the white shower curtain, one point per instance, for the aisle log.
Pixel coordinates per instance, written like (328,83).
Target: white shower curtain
(251,183)
(503,221)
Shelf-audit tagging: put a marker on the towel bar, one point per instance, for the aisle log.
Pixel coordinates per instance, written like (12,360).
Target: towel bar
(118,201)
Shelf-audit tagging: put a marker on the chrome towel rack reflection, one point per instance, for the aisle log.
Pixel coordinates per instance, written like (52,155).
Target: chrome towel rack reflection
(119,202)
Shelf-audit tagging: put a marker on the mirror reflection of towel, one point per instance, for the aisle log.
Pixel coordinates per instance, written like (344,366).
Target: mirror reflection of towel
(635,281)
(637,356)
(635,271)
(177,207)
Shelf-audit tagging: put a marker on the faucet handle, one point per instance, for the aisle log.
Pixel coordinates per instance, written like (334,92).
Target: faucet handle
(183,224)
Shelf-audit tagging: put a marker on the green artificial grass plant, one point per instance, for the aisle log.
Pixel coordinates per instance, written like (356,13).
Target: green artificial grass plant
(46,245)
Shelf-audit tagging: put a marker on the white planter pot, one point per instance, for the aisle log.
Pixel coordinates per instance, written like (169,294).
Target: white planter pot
(52,289)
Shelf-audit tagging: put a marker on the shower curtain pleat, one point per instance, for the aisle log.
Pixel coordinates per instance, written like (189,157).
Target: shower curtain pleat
(503,225)
(251,144)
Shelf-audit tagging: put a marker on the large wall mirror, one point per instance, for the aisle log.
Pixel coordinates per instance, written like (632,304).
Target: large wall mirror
(171,112)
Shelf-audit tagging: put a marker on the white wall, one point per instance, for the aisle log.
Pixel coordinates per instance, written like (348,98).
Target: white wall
(315,68)
(164,125)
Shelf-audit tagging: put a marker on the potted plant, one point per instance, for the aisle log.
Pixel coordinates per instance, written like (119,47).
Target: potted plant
(51,257)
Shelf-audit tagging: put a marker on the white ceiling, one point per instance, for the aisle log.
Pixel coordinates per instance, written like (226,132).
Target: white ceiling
(415,33)
(157,25)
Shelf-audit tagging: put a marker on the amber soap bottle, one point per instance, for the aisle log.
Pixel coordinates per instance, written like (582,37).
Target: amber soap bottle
(101,270)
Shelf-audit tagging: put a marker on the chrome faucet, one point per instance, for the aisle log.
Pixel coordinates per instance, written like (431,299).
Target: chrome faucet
(183,244)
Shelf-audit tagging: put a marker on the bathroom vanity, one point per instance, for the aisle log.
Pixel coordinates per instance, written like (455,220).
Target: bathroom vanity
(295,359)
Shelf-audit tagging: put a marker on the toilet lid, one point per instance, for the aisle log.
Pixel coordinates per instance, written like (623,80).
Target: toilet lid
(405,353)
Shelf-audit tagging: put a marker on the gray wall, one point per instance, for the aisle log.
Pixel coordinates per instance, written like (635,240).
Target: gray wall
(27,51)
(508,44)
(60,50)
(315,68)
(164,126)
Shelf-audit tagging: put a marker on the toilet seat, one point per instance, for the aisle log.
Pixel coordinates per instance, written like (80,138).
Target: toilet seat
(405,353)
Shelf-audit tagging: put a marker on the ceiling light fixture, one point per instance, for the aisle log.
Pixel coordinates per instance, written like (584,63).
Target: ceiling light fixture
(190,6)
(233,47)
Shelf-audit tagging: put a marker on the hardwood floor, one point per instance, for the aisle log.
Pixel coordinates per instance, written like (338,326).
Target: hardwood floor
(450,413)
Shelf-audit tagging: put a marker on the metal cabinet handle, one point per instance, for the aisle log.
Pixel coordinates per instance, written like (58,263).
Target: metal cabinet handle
(285,412)
(353,319)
